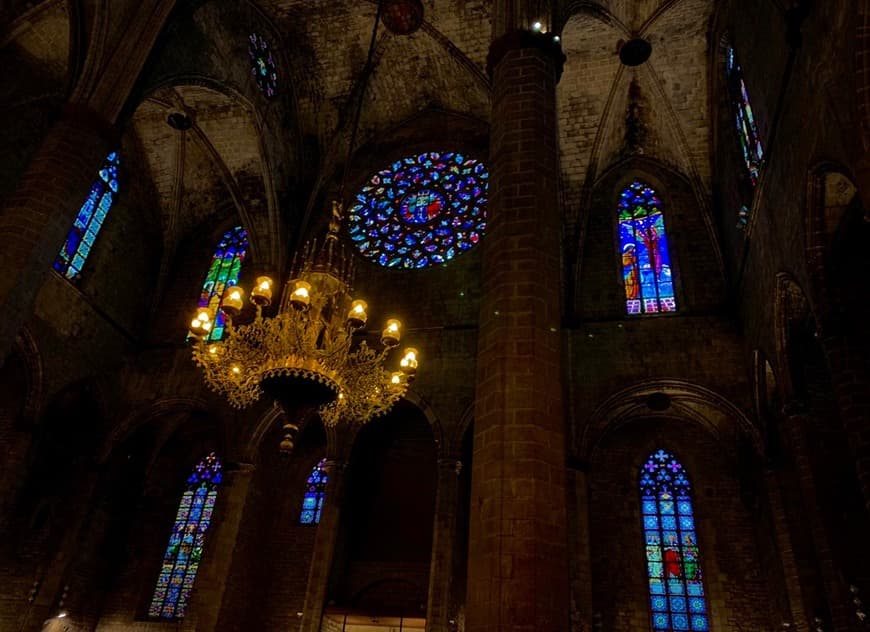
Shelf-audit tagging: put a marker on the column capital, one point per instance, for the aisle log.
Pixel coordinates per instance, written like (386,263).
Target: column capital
(520,39)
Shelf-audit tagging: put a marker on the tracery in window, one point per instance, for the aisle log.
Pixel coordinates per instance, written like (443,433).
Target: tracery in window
(315,494)
(677,598)
(421,211)
(744,119)
(643,243)
(226,265)
(187,541)
(263,66)
(87,224)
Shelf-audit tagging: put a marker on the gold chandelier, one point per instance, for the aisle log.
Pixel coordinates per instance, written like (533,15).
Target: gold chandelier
(311,355)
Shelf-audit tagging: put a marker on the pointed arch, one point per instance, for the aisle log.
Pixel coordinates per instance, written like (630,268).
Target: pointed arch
(86,226)
(187,540)
(315,494)
(676,587)
(224,271)
(647,273)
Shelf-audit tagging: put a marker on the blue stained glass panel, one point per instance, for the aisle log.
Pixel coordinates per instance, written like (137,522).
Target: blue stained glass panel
(187,540)
(423,210)
(87,224)
(263,66)
(315,494)
(646,261)
(673,562)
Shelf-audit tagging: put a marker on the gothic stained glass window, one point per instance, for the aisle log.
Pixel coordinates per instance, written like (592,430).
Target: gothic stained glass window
(223,272)
(87,224)
(263,66)
(677,600)
(421,211)
(184,551)
(646,260)
(747,130)
(315,493)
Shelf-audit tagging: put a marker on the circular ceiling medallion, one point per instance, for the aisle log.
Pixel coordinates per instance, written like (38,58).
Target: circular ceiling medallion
(179,121)
(635,51)
(402,17)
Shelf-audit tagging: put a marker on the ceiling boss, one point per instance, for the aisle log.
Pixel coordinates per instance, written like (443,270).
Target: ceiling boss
(311,355)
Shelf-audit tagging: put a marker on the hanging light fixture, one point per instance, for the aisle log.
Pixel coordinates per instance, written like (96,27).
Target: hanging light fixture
(311,356)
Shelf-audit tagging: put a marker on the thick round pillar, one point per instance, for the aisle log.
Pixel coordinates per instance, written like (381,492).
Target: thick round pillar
(443,546)
(518,567)
(324,547)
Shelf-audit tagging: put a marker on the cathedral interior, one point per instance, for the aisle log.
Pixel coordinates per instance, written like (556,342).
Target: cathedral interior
(443,315)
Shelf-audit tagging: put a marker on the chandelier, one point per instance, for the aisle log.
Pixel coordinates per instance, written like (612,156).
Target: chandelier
(312,355)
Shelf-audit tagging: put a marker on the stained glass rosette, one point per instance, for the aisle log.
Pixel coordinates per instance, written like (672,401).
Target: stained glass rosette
(263,67)
(646,260)
(80,240)
(677,600)
(421,211)
(315,494)
(187,540)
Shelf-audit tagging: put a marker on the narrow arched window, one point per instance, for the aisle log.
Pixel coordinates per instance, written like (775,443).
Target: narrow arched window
(677,600)
(315,494)
(187,541)
(75,250)
(646,259)
(744,119)
(226,264)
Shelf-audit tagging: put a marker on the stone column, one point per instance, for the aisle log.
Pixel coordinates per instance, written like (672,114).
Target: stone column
(211,580)
(518,559)
(35,219)
(579,548)
(324,547)
(850,378)
(796,420)
(443,546)
(783,537)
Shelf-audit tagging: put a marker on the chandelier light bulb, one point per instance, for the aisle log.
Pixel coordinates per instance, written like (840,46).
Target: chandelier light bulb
(233,301)
(201,324)
(356,316)
(300,299)
(262,293)
(392,333)
(409,361)
(537,26)
(396,378)
(236,369)
(213,349)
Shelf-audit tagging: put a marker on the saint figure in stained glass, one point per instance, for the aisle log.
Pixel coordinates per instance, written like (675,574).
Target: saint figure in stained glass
(263,67)
(744,119)
(226,265)
(87,224)
(187,540)
(646,260)
(421,211)
(315,494)
(677,598)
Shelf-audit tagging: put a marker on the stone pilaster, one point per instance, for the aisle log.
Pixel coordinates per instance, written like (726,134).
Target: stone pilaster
(518,558)
(579,550)
(324,547)
(443,546)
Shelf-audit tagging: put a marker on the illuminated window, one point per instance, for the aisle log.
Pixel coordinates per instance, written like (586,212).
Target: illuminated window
(86,227)
(315,494)
(263,66)
(643,243)
(744,119)
(677,600)
(421,211)
(223,272)
(187,541)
